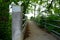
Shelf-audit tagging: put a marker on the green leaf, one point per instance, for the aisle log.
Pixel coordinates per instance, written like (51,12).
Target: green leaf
(0,1)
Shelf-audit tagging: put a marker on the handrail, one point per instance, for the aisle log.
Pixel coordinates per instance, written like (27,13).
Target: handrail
(53,20)
(56,32)
(53,31)
(57,20)
(58,37)
(51,25)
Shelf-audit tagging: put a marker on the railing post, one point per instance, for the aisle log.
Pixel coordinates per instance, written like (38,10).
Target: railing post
(16,22)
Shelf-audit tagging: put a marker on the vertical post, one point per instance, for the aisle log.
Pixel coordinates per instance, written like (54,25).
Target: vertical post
(16,23)
(34,10)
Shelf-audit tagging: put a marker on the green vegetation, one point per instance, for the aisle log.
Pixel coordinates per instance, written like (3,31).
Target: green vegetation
(6,19)
(50,20)
(52,10)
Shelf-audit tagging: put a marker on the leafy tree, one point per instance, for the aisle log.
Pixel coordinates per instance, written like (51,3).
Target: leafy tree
(5,21)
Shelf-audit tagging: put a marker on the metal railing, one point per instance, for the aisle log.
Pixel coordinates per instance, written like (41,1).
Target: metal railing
(57,34)
(51,25)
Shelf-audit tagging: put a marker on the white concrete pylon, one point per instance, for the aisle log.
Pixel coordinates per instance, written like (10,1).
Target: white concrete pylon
(16,22)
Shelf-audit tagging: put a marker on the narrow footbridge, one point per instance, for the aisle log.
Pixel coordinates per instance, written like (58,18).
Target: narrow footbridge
(19,27)
(36,33)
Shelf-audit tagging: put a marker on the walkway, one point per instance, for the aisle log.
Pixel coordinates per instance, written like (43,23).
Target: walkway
(37,34)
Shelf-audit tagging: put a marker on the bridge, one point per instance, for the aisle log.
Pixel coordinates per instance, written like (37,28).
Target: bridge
(29,30)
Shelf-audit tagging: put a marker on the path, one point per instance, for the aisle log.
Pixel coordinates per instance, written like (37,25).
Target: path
(37,34)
